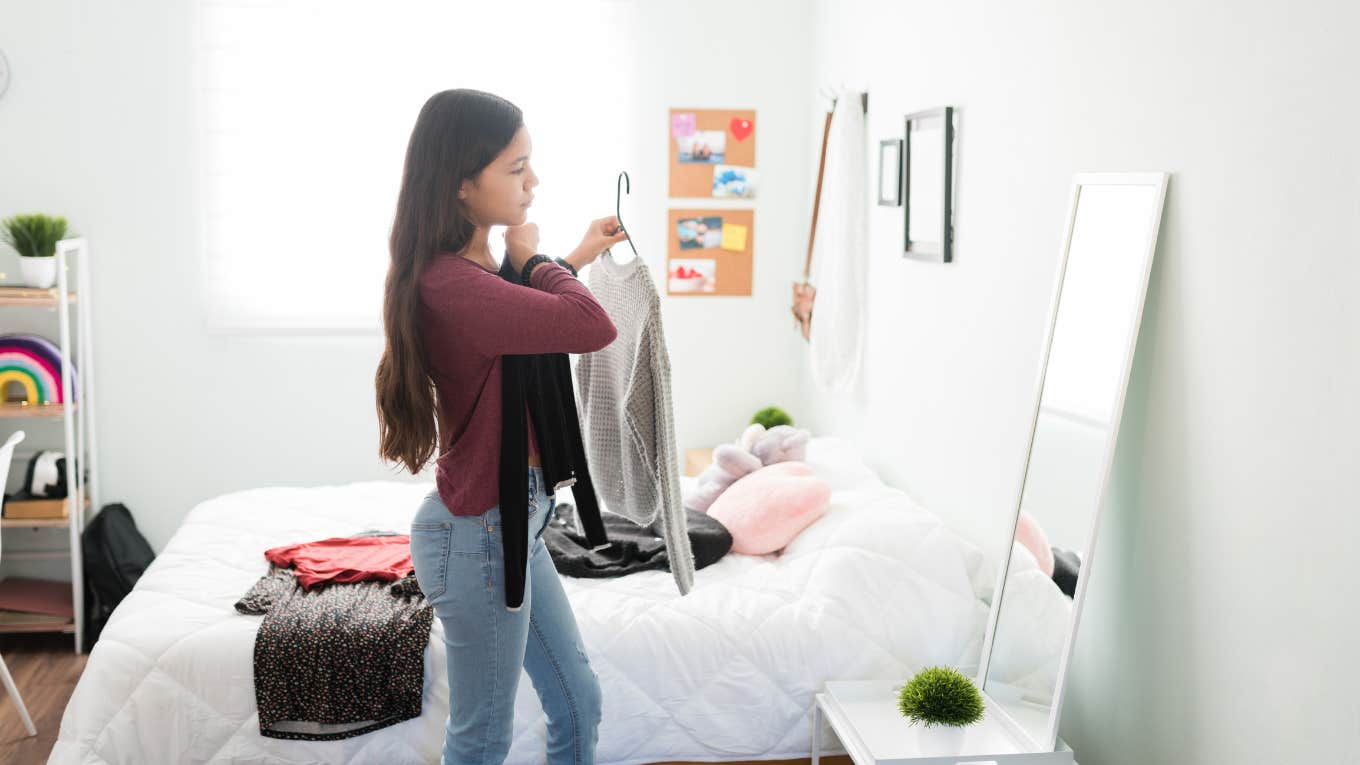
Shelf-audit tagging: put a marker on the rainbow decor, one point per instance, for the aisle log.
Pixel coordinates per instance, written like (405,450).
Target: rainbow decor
(33,362)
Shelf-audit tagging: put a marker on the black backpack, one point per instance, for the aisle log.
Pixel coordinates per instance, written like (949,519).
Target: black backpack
(115,555)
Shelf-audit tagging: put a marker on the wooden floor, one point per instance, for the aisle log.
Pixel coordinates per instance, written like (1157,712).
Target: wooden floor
(46,670)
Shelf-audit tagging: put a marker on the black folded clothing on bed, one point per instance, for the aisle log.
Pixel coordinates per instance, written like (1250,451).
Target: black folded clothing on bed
(632,547)
(339,661)
(1066,568)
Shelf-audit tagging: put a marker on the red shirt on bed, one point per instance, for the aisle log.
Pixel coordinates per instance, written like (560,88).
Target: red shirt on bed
(470,317)
(346,559)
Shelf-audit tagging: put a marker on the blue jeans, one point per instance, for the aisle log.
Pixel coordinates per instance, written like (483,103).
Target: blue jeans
(460,568)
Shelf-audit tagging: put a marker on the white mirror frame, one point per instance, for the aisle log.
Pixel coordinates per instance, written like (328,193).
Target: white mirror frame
(1159,180)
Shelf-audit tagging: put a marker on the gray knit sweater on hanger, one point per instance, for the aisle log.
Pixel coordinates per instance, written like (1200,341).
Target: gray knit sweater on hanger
(625,392)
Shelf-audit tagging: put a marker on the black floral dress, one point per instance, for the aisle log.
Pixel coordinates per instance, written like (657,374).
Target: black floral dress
(340,660)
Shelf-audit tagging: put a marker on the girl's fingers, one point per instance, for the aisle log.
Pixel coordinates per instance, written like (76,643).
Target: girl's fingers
(610,227)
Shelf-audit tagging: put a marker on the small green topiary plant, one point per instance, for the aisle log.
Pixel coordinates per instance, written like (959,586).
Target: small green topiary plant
(771,416)
(33,236)
(940,696)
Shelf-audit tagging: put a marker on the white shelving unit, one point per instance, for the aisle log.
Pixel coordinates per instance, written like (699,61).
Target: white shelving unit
(78,419)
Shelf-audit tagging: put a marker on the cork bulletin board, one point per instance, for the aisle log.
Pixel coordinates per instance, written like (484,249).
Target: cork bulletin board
(708,252)
(705,140)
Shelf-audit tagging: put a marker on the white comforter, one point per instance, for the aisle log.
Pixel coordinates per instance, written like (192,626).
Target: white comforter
(876,588)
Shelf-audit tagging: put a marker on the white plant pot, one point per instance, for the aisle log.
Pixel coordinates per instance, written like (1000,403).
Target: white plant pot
(941,739)
(38,272)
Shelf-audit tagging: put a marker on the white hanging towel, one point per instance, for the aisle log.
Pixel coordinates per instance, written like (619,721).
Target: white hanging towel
(840,253)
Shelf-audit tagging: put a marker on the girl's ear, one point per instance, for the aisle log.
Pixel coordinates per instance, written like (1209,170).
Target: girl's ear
(467,187)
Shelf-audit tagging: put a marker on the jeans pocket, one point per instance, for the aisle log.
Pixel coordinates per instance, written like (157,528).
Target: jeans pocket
(540,517)
(430,542)
(531,507)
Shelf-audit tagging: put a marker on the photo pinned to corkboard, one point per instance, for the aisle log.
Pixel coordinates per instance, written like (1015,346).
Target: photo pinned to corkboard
(713,153)
(708,252)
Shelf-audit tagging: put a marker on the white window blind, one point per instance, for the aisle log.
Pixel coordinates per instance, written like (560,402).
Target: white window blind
(306,107)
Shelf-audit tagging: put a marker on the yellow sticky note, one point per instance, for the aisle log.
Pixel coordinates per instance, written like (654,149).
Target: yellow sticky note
(734,237)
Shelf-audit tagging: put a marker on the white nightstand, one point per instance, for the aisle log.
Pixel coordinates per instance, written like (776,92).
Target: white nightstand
(864,716)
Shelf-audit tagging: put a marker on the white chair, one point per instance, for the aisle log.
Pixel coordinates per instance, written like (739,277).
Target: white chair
(6,456)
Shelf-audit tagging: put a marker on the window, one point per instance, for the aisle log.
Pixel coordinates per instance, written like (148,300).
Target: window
(306,108)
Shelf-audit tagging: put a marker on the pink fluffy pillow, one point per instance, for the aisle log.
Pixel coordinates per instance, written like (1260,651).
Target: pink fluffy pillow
(765,509)
(1029,533)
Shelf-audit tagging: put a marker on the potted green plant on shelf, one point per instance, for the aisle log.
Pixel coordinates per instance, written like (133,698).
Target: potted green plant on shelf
(35,238)
(945,701)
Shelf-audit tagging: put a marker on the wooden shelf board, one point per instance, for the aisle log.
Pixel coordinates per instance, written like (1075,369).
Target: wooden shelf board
(34,410)
(18,621)
(40,522)
(16,523)
(32,296)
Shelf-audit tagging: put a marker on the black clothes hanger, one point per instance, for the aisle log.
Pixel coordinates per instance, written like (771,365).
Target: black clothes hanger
(623,186)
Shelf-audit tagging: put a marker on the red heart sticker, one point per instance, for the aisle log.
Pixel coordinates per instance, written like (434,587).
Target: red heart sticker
(741,129)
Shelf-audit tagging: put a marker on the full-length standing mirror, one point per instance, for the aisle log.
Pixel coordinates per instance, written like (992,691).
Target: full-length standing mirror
(1095,312)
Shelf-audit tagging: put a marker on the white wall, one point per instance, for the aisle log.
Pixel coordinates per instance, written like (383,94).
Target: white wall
(95,126)
(1220,621)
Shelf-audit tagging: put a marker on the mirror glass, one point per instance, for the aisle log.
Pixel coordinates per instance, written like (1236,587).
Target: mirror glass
(1099,303)
(925,179)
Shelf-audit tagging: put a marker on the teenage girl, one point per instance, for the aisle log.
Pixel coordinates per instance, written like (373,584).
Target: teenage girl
(449,317)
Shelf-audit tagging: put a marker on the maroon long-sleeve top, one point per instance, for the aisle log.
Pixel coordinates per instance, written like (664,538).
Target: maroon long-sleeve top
(470,317)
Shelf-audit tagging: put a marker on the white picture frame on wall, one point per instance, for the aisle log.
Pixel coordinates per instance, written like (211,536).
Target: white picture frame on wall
(890,172)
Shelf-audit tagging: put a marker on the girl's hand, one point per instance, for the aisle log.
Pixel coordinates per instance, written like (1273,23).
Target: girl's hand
(600,236)
(521,243)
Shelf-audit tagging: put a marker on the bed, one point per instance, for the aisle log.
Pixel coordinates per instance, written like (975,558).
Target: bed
(877,587)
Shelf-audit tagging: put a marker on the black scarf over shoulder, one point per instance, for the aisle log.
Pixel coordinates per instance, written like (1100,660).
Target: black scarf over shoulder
(544,381)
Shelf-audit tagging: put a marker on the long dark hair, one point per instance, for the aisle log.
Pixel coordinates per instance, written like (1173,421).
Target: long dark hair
(458,133)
